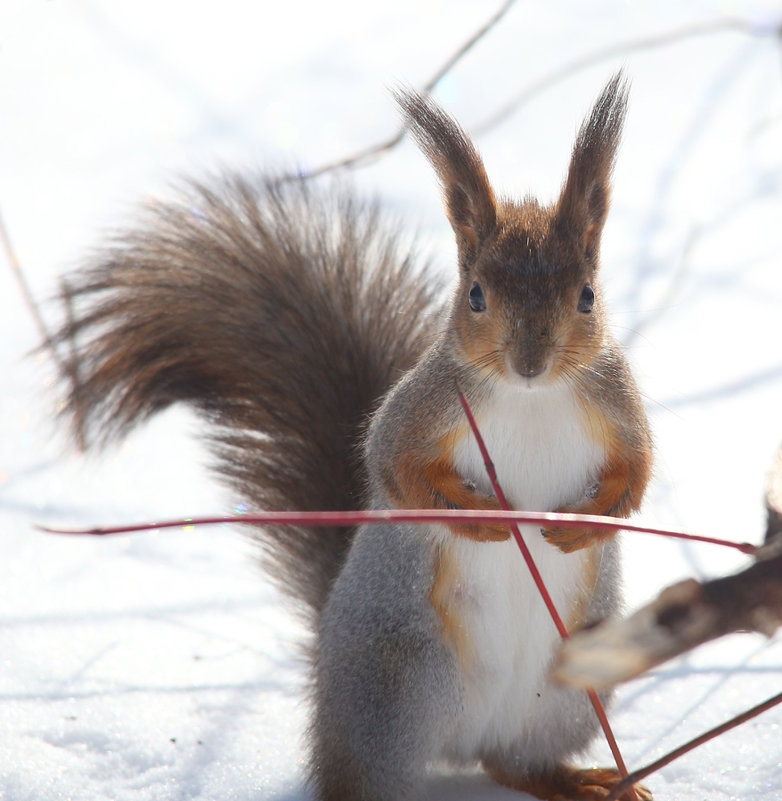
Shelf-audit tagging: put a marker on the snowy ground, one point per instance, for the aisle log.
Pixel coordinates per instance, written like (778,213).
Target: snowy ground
(163,666)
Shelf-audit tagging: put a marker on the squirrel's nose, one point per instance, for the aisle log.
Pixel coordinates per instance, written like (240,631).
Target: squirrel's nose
(527,368)
(529,371)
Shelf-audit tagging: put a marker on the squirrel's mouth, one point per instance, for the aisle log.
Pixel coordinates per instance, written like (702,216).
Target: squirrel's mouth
(528,374)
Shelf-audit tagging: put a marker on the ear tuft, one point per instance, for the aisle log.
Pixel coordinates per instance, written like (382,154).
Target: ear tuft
(469,199)
(585,198)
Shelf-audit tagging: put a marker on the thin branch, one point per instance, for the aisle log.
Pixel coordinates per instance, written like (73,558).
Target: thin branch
(379,516)
(621,48)
(671,290)
(375,151)
(558,75)
(27,295)
(684,616)
(653,767)
(64,367)
(467,46)
(774,500)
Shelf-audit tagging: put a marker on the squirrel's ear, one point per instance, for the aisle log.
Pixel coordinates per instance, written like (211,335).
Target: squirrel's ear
(583,204)
(469,199)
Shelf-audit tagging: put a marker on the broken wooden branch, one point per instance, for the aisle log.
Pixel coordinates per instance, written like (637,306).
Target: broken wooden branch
(684,615)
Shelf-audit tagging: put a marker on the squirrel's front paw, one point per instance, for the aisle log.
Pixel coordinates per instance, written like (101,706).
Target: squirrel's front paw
(574,539)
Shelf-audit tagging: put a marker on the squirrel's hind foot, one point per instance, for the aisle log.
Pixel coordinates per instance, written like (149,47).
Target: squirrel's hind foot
(568,784)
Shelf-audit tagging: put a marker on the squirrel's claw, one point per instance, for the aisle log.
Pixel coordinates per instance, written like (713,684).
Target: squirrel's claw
(570,784)
(594,784)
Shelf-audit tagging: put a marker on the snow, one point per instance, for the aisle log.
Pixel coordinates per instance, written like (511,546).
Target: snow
(163,665)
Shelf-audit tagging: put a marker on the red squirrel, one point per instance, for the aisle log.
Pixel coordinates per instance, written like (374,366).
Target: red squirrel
(325,366)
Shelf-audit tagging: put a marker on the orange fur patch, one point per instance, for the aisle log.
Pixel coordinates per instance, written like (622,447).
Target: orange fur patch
(444,600)
(620,485)
(578,613)
(567,784)
(437,485)
(481,337)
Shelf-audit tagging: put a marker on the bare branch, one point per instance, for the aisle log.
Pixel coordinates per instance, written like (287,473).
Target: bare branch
(640,774)
(621,48)
(24,287)
(375,151)
(64,367)
(683,616)
(774,500)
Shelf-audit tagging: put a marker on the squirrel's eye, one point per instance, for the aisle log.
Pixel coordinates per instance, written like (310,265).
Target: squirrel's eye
(477,301)
(587,299)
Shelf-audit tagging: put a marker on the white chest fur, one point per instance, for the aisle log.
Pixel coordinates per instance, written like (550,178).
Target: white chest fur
(545,458)
(539,442)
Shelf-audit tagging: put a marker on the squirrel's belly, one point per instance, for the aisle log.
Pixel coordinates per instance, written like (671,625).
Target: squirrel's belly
(546,456)
(506,637)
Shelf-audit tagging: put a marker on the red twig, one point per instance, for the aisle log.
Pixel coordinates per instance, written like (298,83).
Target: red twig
(653,767)
(541,585)
(375,517)
(525,552)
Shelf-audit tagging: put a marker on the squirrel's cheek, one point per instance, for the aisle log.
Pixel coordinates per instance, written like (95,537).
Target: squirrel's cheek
(583,335)
(480,342)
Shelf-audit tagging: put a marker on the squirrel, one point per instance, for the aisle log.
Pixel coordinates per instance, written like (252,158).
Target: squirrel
(325,364)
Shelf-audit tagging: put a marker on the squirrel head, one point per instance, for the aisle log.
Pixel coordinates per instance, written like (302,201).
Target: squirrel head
(528,304)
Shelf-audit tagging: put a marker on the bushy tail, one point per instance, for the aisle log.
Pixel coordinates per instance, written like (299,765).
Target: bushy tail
(282,314)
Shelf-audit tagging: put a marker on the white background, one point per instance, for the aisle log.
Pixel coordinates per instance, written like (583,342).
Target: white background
(162,665)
